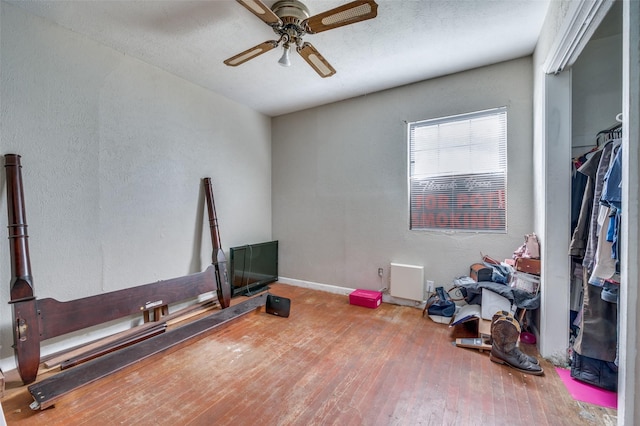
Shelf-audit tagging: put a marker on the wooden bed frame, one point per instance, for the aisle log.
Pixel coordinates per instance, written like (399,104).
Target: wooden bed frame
(36,320)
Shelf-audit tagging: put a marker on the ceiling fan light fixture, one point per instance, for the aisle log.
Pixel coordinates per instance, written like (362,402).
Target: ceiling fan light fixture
(284,60)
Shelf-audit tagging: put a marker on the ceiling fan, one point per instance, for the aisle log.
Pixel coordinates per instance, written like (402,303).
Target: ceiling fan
(290,19)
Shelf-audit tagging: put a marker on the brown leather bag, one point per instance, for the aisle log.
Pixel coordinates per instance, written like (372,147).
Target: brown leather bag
(479,272)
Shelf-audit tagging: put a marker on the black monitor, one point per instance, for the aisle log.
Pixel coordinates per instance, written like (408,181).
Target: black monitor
(253,266)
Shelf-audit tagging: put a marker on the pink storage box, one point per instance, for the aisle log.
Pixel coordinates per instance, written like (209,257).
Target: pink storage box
(366,298)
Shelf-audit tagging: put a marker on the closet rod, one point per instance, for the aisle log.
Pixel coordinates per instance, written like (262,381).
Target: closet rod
(614,128)
(609,134)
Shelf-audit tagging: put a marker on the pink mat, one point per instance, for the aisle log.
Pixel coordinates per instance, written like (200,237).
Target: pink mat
(585,392)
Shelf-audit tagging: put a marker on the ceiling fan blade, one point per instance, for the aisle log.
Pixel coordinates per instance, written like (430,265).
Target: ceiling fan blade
(316,60)
(350,13)
(258,8)
(251,53)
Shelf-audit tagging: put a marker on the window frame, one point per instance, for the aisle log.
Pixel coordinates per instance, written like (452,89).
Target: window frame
(448,200)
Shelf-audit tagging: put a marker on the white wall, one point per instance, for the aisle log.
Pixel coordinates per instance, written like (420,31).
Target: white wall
(340,196)
(113,153)
(597,90)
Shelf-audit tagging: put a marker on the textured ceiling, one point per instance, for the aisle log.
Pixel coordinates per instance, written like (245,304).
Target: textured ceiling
(409,41)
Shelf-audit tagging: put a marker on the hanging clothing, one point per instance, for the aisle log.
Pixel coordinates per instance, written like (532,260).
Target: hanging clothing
(612,194)
(578,186)
(612,191)
(595,239)
(580,237)
(605,259)
(597,336)
(604,265)
(603,167)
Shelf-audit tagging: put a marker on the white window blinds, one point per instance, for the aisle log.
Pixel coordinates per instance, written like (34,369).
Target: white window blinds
(458,172)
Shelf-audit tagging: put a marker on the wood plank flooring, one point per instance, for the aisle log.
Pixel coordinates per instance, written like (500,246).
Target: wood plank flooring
(329,363)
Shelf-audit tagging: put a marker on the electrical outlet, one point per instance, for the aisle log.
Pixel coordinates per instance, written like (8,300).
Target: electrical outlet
(430,286)
(380,272)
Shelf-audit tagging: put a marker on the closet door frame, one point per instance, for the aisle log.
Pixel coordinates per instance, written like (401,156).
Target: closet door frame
(629,348)
(579,24)
(555,221)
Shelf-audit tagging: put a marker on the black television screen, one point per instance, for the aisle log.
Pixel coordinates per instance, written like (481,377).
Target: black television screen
(253,266)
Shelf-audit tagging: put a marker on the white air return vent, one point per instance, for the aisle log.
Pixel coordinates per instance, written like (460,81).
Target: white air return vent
(407,282)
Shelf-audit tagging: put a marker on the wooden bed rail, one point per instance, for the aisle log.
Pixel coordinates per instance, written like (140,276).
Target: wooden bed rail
(46,392)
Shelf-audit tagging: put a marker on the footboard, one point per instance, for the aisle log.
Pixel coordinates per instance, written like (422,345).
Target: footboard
(38,320)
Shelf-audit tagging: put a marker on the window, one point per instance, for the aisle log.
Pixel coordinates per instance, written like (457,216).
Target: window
(458,172)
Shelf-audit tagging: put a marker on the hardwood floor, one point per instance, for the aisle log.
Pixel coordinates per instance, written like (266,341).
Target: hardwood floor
(329,363)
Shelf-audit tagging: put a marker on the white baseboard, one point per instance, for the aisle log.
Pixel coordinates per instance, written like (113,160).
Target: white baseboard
(316,286)
(329,288)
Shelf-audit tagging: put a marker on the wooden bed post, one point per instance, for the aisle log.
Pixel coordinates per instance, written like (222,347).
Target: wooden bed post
(26,334)
(218,258)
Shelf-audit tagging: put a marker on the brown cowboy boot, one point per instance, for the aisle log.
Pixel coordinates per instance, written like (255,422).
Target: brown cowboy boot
(508,314)
(495,318)
(504,350)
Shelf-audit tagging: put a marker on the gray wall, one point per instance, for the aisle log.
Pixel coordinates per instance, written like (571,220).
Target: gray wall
(340,201)
(113,154)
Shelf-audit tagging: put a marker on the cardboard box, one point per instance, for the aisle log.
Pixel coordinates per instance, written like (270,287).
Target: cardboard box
(529,266)
(472,313)
(367,298)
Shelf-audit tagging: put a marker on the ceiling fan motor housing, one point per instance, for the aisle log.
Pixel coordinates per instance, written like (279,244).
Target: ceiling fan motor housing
(290,10)
(291,13)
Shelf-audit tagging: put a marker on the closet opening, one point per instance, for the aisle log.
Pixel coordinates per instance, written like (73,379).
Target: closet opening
(596,137)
